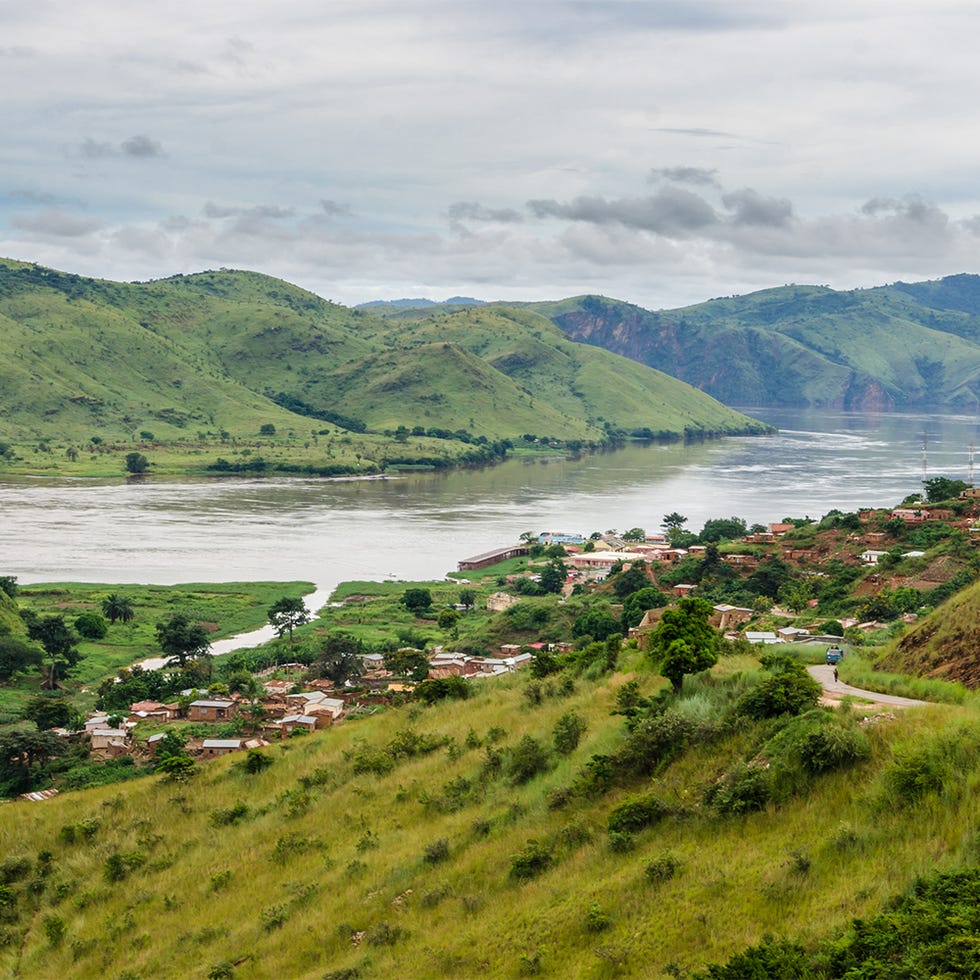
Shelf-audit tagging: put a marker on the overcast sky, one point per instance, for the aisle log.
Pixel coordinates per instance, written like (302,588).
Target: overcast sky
(657,152)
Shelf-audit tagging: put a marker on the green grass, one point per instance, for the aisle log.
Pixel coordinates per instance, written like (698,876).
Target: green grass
(332,854)
(858,670)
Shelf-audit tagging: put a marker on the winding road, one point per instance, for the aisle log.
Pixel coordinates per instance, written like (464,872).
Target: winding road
(836,690)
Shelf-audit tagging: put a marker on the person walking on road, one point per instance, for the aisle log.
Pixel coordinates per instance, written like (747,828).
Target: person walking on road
(835,675)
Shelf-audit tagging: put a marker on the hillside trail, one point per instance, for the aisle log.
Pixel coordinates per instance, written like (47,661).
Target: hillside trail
(835,691)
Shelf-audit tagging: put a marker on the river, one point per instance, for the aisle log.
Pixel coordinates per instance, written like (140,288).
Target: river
(418,526)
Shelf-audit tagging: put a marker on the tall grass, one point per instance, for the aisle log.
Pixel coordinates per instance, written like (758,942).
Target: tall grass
(858,670)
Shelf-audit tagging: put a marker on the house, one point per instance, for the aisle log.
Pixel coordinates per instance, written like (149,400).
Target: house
(766,638)
(500,601)
(212,748)
(870,557)
(684,588)
(153,742)
(491,557)
(306,723)
(110,743)
(560,537)
(96,722)
(211,710)
(780,529)
(726,616)
(792,634)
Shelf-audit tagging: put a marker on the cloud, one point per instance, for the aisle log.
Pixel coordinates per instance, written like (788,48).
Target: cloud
(261,212)
(57,223)
(141,147)
(671,211)
(751,208)
(134,147)
(461,211)
(685,175)
(335,209)
(696,131)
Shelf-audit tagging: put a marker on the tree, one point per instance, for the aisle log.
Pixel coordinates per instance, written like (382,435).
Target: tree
(684,642)
(339,659)
(632,580)
(597,623)
(673,522)
(723,529)
(286,614)
(181,640)
(467,597)
(8,584)
(943,488)
(58,640)
(51,712)
(448,619)
(91,625)
(417,601)
(17,657)
(136,463)
(117,607)
(413,664)
(23,751)
(636,604)
(634,534)
(553,576)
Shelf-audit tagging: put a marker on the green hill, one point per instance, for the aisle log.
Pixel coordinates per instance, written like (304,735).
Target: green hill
(220,355)
(459,840)
(891,347)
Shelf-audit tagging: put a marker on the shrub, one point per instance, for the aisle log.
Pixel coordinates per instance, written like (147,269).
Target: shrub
(533,860)
(661,869)
(568,732)
(834,747)
(654,742)
(596,918)
(526,760)
(621,841)
(91,625)
(370,758)
(743,789)
(119,865)
(225,816)
(788,692)
(384,934)
(256,762)
(436,851)
(636,814)
(273,917)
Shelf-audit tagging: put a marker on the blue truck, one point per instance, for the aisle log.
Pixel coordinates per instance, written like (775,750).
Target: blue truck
(834,654)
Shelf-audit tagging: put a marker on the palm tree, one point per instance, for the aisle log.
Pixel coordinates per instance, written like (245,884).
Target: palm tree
(119,607)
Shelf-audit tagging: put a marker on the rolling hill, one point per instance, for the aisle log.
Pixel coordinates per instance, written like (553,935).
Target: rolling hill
(899,346)
(194,356)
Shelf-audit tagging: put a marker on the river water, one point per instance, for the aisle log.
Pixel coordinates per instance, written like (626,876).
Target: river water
(420,525)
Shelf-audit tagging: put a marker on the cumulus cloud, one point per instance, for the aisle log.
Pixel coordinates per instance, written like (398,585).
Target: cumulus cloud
(336,209)
(261,212)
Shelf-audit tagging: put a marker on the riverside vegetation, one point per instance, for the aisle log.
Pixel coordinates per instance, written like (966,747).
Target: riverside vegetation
(579,817)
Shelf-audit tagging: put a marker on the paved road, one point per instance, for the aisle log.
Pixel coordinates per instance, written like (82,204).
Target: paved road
(824,674)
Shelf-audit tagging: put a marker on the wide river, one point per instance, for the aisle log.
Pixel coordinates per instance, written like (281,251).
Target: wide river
(420,525)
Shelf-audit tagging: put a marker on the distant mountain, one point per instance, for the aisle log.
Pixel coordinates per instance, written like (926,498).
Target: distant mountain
(899,346)
(234,352)
(380,305)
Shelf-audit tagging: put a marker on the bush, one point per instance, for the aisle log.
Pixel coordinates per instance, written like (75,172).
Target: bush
(743,789)
(789,692)
(91,625)
(533,860)
(436,851)
(568,732)
(834,747)
(526,760)
(621,842)
(638,813)
(654,742)
(596,918)
(661,869)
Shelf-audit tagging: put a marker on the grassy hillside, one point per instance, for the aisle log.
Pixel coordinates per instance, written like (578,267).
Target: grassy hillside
(944,644)
(420,842)
(215,359)
(894,346)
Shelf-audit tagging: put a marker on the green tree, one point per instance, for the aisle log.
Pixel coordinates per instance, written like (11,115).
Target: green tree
(181,640)
(8,584)
(23,752)
(722,529)
(636,604)
(58,640)
(634,534)
(467,597)
(136,463)
(413,664)
(91,625)
(596,622)
(448,619)
(553,576)
(286,614)
(943,488)
(684,642)
(417,601)
(116,607)
(17,657)
(632,580)
(51,712)
(338,659)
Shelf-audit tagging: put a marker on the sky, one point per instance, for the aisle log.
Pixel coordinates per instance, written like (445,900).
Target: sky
(661,152)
